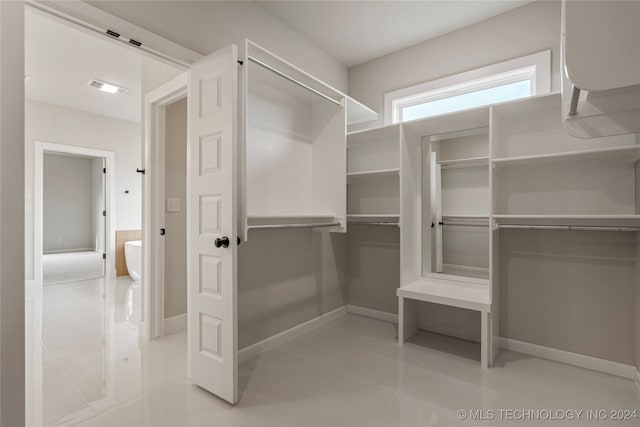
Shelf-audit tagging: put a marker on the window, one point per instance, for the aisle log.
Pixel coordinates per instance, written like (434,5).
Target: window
(518,78)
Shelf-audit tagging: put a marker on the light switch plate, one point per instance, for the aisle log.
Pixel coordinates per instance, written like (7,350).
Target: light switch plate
(173,204)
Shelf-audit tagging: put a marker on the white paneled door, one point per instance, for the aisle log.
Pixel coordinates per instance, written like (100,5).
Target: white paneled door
(212,245)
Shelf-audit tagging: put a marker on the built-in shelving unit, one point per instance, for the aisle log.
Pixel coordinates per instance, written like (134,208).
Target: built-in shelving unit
(294,163)
(565,216)
(373,176)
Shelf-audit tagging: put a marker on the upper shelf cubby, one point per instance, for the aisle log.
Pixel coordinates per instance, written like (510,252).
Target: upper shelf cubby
(374,152)
(532,127)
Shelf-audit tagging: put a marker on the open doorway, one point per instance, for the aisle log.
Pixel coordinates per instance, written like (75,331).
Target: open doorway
(74,217)
(82,138)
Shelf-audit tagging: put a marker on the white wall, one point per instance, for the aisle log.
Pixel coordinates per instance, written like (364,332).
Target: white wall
(208,26)
(51,123)
(528,29)
(67,203)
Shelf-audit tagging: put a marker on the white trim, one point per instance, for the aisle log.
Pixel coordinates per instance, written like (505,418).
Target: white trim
(91,20)
(374,314)
(153,203)
(110,202)
(175,324)
(576,359)
(542,81)
(290,334)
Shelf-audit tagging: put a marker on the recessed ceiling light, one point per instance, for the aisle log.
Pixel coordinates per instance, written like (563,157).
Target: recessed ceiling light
(107,87)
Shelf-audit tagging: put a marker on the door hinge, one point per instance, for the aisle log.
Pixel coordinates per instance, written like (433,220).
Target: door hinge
(163,231)
(104,256)
(104,213)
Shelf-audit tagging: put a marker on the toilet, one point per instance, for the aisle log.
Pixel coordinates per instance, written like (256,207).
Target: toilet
(133,258)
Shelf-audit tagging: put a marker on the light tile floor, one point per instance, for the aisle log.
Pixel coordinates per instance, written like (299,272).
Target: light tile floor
(71,266)
(88,367)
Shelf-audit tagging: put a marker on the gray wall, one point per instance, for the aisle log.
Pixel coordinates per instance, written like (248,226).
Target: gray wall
(528,29)
(637,335)
(175,254)
(575,291)
(374,266)
(12,289)
(286,277)
(67,203)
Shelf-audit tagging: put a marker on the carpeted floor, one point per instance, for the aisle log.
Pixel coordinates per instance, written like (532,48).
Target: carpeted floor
(72,266)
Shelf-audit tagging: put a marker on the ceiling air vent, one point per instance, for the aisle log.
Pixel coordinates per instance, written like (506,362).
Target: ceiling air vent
(107,87)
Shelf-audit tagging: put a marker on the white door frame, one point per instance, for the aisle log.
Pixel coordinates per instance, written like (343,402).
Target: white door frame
(153,202)
(110,202)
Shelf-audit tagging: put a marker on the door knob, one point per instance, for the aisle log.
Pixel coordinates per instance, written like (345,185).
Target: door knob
(221,243)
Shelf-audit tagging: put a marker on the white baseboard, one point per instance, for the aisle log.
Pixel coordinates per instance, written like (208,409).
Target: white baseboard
(68,251)
(289,334)
(581,360)
(175,324)
(374,314)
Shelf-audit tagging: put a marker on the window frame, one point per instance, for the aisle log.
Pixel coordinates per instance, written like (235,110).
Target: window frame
(535,67)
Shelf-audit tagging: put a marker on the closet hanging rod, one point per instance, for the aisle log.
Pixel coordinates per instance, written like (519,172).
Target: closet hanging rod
(269,226)
(466,223)
(291,79)
(567,227)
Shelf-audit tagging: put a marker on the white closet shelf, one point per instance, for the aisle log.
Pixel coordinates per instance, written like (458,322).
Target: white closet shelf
(388,134)
(390,218)
(472,296)
(594,220)
(359,113)
(629,154)
(467,162)
(288,219)
(521,108)
(381,173)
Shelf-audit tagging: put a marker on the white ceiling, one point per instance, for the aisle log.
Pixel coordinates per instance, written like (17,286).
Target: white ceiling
(354,32)
(60,60)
